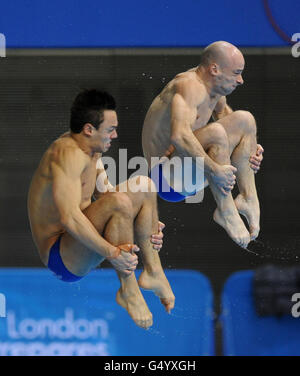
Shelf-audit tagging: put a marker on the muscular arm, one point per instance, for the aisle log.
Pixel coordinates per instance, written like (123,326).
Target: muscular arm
(102,183)
(67,167)
(221,110)
(183,116)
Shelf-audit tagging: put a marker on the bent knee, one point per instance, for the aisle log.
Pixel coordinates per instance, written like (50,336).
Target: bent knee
(246,119)
(142,183)
(218,135)
(120,202)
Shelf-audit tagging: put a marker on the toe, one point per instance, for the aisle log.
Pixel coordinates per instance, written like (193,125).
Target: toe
(149,322)
(168,303)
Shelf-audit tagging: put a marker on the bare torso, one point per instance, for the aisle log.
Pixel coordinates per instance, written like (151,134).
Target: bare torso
(43,214)
(157,125)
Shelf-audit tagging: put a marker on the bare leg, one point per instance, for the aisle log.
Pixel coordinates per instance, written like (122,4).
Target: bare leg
(112,216)
(119,230)
(214,140)
(241,129)
(146,223)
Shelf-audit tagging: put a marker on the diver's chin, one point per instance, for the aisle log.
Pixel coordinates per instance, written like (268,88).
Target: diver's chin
(101,150)
(229,91)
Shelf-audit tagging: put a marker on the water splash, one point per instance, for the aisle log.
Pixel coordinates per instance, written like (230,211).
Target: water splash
(266,251)
(186,317)
(186,313)
(155,332)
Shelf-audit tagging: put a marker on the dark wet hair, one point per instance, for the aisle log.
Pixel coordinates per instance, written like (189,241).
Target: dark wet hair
(88,107)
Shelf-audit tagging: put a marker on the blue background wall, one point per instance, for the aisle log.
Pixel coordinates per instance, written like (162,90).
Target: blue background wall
(150,23)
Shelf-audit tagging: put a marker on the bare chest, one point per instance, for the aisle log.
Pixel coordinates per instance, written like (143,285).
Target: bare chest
(204,113)
(88,182)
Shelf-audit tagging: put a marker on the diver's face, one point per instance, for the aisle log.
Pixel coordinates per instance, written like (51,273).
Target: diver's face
(107,131)
(230,75)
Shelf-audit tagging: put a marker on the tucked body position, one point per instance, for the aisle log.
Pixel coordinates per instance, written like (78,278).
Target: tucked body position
(76,226)
(178,124)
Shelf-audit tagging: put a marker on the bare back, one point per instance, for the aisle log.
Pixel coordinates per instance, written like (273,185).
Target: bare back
(157,125)
(43,214)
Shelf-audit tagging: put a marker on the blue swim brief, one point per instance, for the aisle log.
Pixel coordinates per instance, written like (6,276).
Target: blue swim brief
(56,265)
(163,187)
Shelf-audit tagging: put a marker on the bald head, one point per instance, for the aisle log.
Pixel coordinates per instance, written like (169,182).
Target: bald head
(221,66)
(221,53)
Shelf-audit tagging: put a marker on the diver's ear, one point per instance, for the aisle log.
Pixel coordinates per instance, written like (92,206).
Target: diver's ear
(214,69)
(88,129)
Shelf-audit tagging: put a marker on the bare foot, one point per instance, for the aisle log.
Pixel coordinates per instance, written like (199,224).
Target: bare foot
(234,227)
(137,308)
(158,283)
(249,208)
